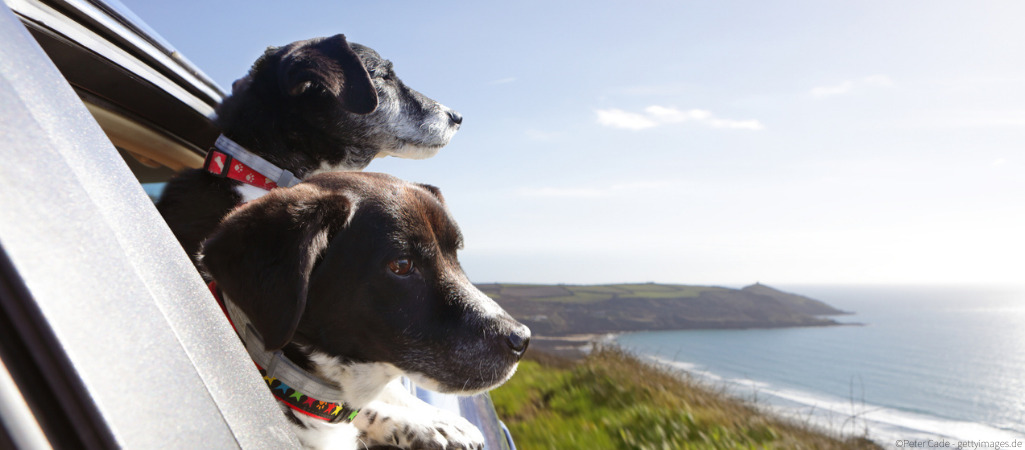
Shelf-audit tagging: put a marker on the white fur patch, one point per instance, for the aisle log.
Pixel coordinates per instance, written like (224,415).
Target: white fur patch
(362,382)
(480,301)
(488,307)
(416,139)
(410,151)
(249,192)
(389,414)
(408,422)
(431,384)
(322,435)
(325,167)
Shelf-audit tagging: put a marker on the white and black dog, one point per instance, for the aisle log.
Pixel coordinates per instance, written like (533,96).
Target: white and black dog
(353,276)
(311,106)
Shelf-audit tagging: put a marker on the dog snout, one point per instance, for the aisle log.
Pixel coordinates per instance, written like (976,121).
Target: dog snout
(455,117)
(518,340)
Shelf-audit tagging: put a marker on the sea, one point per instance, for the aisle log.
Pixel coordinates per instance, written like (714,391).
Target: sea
(916,364)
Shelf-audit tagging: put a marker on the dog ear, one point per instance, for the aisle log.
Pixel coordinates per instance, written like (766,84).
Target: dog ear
(263,253)
(241,84)
(434,191)
(334,67)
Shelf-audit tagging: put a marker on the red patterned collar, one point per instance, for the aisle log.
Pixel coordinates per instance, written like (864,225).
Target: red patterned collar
(230,160)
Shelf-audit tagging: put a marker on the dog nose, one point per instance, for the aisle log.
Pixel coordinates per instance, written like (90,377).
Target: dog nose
(518,341)
(455,117)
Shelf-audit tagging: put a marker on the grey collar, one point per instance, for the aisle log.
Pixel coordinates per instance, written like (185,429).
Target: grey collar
(276,364)
(282,177)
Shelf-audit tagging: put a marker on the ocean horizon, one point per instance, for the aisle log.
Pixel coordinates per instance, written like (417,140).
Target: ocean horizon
(923,363)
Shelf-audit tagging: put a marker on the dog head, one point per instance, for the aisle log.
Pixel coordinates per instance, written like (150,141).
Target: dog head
(363,267)
(339,103)
(414,126)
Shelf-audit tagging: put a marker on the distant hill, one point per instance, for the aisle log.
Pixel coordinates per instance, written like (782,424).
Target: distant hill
(799,303)
(560,310)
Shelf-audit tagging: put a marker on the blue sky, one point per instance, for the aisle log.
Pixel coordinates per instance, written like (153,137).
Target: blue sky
(694,142)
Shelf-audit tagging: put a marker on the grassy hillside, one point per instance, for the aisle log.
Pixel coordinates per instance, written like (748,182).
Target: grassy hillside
(613,401)
(559,310)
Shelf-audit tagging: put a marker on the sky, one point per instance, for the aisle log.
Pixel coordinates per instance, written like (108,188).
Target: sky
(694,142)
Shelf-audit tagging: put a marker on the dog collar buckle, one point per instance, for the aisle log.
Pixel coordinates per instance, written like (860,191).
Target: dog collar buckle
(287,178)
(217,162)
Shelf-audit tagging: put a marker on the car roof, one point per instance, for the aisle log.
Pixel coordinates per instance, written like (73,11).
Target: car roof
(153,104)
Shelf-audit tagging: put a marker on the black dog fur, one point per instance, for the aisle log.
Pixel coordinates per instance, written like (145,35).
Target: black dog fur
(356,275)
(316,105)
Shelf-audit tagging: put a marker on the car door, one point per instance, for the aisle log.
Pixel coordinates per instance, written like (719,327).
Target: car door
(109,337)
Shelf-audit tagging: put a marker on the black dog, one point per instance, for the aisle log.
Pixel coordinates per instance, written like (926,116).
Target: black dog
(311,106)
(355,277)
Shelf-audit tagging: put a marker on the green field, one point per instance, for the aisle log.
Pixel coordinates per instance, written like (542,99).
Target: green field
(563,293)
(613,401)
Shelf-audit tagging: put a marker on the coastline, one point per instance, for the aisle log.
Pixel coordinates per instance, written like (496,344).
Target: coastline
(578,345)
(820,371)
(834,416)
(829,416)
(573,346)
(845,413)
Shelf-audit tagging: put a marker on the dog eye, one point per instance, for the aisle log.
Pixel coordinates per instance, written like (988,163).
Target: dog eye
(401,266)
(380,72)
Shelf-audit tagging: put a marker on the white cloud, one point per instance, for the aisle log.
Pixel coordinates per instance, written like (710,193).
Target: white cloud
(673,115)
(848,86)
(617,118)
(656,115)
